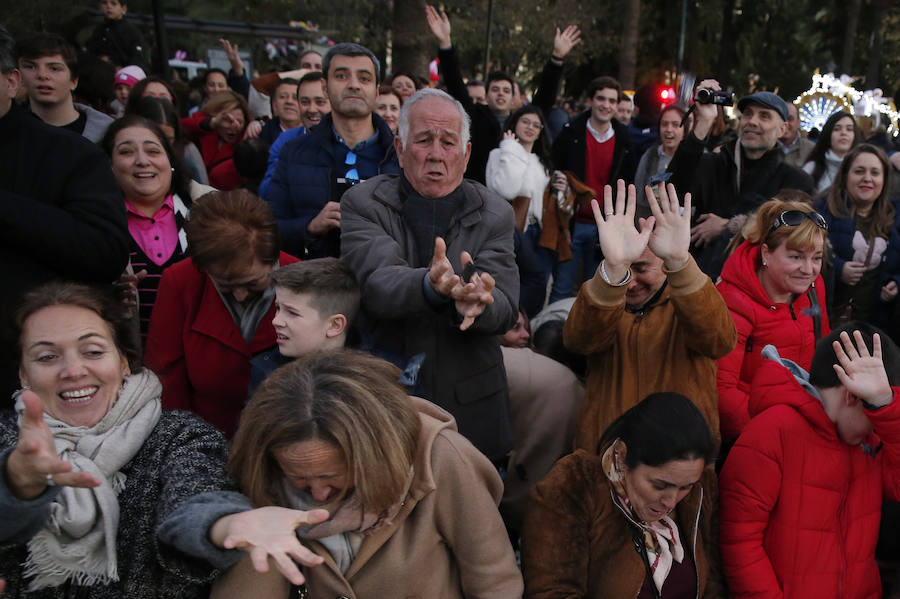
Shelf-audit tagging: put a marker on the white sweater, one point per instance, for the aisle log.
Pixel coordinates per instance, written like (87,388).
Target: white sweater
(513,172)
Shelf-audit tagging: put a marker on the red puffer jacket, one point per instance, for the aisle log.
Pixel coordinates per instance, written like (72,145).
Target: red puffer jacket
(759,322)
(800,508)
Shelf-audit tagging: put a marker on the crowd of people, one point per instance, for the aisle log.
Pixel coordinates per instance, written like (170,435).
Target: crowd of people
(325,333)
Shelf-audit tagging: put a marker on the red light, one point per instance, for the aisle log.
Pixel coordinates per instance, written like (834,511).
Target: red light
(665,94)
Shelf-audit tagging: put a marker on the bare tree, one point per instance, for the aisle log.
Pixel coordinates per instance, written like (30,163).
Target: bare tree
(411,40)
(630,30)
(853,7)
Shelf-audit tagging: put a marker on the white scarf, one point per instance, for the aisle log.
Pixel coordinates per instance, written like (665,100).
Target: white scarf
(78,541)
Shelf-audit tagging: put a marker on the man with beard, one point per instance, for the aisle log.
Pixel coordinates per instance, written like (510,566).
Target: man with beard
(730,184)
(350,145)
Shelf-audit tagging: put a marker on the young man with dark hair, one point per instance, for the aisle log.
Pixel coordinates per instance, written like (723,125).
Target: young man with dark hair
(350,145)
(499,95)
(595,148)
(115,40)
(314,106)
(801,491)
(50,74)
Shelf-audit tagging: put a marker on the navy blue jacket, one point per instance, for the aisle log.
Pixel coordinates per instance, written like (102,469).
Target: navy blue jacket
(306,179)
(841,232)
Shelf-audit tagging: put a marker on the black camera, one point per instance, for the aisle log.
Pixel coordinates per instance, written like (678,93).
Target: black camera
(709,96)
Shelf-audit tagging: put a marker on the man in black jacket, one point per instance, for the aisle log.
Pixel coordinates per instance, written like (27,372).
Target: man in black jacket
(730,184)
(487,120)
(596,149)
(61,211)
(116,40)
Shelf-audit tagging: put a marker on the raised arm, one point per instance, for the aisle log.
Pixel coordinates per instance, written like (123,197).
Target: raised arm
(439,24)
(590,327)
(563,42)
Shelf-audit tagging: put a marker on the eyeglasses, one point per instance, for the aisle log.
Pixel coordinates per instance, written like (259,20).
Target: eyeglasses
(793,218)
(529,123)
(352,174)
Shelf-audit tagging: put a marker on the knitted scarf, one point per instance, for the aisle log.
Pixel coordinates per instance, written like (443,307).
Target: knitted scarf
(661,538)
(78,541)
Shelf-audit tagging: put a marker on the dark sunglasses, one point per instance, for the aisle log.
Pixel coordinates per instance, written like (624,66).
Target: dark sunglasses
(792,218)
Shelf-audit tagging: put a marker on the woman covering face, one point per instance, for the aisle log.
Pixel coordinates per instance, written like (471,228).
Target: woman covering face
(216,128)
(369,478)
(92,463)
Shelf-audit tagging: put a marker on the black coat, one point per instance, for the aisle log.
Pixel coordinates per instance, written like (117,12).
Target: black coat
(712,179)
(61,215)
(569,150)
(120,41)
(486,130)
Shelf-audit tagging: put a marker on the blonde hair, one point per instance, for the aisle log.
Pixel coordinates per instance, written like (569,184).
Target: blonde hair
(347,398)
(800,237)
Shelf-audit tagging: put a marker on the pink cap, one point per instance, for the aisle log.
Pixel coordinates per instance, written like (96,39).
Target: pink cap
(130,75)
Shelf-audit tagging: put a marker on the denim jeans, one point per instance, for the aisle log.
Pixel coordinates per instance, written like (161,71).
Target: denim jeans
(584,255)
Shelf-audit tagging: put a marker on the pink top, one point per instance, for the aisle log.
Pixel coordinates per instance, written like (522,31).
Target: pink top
(157,236)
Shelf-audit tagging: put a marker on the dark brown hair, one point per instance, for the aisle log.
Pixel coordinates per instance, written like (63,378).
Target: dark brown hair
(841,205)
(349,399)
(227,227)
(39,45)
(100,302)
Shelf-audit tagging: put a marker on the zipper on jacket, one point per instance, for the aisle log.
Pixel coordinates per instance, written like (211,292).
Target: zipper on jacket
(694,542)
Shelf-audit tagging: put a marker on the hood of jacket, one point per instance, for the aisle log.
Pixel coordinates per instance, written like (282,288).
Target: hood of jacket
(433,420)
(740,270)
(782,382)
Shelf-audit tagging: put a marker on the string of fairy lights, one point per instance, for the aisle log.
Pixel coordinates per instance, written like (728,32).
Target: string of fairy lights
(830,94)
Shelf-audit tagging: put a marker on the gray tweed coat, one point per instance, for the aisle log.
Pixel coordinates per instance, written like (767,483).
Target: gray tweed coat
(182,457)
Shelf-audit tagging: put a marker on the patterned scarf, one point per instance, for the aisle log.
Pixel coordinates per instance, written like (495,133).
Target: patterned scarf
(78,541)
(661,538)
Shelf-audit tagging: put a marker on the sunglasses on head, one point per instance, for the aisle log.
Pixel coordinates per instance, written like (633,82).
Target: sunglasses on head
(792,218)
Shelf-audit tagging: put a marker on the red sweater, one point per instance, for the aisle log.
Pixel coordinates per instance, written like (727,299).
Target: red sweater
(598,158)
(800,509)
(197,350)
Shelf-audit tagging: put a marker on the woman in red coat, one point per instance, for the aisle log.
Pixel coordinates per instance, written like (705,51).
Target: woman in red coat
(217,127)
(214,312)
(776,296)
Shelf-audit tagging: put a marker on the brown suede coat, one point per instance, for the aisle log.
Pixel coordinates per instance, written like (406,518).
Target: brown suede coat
(671,346)
(577,543)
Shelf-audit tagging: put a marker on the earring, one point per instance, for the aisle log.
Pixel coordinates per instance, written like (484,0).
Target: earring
(765,265)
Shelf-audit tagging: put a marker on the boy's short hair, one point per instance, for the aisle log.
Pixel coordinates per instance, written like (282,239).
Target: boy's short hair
(821,372)
(329,283)
(39,45)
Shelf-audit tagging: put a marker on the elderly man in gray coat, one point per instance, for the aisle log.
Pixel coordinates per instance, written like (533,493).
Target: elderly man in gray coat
(434,258)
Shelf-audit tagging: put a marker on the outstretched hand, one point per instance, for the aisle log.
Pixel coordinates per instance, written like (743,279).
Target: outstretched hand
(863,374)
(439,25)
(671,237)
(474,296)
(35,457)
(621,243)
(269,532)
(564,41)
